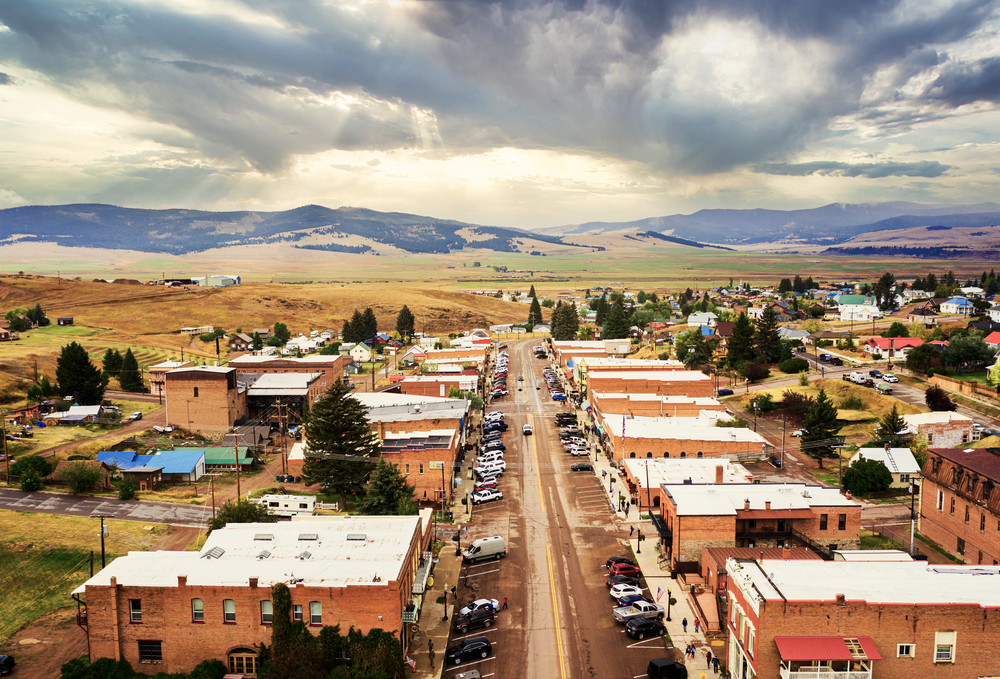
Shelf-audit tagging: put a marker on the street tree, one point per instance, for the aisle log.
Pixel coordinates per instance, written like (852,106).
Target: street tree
(767,342)
(967,352)
(388,492)
(241,510)
(741,342)
(937,399)
(341,446)
(865,477)
(78,377)
(130,375)
(920,359)
(405,323)
(822,430)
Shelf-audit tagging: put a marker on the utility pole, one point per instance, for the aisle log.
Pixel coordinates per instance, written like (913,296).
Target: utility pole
(6,457)
(782,465)
(103,554)
(236,452)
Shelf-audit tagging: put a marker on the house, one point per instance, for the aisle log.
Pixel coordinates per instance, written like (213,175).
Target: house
(152,608)
(923,313)
(857,308)
(361,353)
(957,305)
(264,333)
(994,313)
(197,329)
(218,458)
(426,459)
(241,342)
(942,429)
(706,318)
(793,334)
(179,466)
(802,618)
(974,292)
(899,461)
(993,340)
(58,475)
(283,399)
(4,335)
(64,320)
(77,415)
(960,502)
(893,348)
(144,478)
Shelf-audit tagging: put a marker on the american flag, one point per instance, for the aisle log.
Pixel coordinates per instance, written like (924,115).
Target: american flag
(623,435)
(659,593)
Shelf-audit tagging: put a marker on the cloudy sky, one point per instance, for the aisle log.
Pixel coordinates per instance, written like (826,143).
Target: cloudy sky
(519,113)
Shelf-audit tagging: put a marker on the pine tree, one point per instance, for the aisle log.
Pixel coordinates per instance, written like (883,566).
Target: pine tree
(78,377)
(341,446)
(822,429)
(741,342)
(534,313)
(112,362)
(388,493)
(130,376)
(617,323)
(766,339)
(258,343)
(565,322)
(405,322)
(370,324)
(888,430)
(531,293)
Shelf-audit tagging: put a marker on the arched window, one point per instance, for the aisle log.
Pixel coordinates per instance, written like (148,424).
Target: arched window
(649,454)
(243,661)
(656,501)
(700,454)
(683,454)
(631,455)
(666,454)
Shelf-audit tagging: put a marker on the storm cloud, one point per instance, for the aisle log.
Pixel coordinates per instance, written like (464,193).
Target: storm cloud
(925,169)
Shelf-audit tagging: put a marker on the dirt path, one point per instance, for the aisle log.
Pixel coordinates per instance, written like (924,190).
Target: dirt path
(158,416)
(41,647)
(177,538)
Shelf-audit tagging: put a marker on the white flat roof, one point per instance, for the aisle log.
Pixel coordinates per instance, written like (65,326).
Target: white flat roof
(579,344)
(724,499)
(385,399)
(169,365)
(885,582)
(935,418)
(672,470)
(661,375)
(677,428)
(673,399)
(338,555)
(253,358)
(282,384)
(439,378)
(601,361)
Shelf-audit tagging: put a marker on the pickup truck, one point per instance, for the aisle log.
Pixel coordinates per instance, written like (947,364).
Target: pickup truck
(639,609)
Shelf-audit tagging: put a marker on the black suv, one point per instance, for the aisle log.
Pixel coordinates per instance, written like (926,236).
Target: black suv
(6,663)
(665,668)
(481,617)
(640,628)
(473,647)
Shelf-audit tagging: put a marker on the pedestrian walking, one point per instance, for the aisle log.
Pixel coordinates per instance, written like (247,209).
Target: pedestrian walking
(430,645)
(684,624)
(627,505)
(708,659)
(715,665)
(454,593)
(504,604)
(466,531)
(697,624)
(430,655)
(604,473)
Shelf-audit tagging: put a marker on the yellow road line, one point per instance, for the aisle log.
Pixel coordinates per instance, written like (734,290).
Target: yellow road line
(534,454)
(555,612)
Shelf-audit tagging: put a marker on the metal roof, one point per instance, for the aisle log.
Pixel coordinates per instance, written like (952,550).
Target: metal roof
(827,648)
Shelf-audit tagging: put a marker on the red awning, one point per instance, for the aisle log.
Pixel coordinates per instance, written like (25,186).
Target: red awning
(825,648)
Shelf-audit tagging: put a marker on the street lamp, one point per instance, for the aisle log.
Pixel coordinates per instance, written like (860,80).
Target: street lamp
(913,515)
(668,605)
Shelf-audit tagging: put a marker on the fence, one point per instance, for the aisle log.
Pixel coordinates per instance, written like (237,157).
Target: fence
(967,388)
(892,531)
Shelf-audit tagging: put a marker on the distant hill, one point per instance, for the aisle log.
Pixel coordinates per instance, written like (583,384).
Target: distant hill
(829,224)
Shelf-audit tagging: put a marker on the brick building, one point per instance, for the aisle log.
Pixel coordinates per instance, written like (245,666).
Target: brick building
(713,561)
(329,368)
(426,459)
(281,399)
(653,405)
(168,611)
(583,365)
(158,375)
(942,429)
(892,620)
(644,478)
(960,502)
(475,354)
(205,399)
(662,382)
(682,437)
(397,413)
(694,516)
(438,385)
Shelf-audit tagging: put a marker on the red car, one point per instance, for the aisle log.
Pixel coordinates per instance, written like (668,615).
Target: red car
(487,485)
(624,569)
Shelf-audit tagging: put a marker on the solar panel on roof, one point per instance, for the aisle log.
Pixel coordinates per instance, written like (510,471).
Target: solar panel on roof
(264,554)
(263,536)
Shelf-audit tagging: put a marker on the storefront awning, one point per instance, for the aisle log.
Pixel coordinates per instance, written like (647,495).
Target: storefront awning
(827,648)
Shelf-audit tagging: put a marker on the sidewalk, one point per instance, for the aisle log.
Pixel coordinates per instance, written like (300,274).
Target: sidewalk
(432,625)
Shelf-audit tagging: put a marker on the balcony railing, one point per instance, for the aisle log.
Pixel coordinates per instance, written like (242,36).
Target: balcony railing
(826,674)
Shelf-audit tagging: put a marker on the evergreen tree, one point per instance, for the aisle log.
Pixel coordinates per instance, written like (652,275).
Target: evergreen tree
(388,493)
(741,342)
(693,339)
(822,429)
(565,322)
(885,288)
(617,323)
(534,313)
(405,322)
(130,377)
(785,285)
(78,377)
(370,324)
(258,343)
(112,362)
(531,293)
(641,297)
(341,446)
(282,332)
(799,285)
(888,430)
(766,339)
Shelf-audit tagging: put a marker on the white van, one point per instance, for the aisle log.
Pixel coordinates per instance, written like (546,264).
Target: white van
(485,548)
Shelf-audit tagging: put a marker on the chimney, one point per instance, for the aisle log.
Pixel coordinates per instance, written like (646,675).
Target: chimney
(841,600)
(253,583)
(767,504)
(746,504)
(182,580)
(849,495)
(887,446)
(718,473)
(786,552)
(114,582)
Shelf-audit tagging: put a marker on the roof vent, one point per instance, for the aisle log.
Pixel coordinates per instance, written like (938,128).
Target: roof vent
(264,554)
(360,537)
(213,553)
(308,536)
(263,536)
(303,556)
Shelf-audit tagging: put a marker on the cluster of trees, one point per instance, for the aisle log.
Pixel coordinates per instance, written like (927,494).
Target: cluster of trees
(966,352)
(797,285)
(565,322)
(78,377)
(212,336)
(756,343)
(362,326)
(124,367)
(21,318)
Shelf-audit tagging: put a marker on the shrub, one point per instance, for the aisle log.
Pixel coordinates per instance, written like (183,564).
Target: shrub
(126,491)
(795,405)
(937,399)
(793,365)
(77,457)
(30,482)
(735,423)
(39,465)
(755,372)
(803,380)
(765,403)
(852,402)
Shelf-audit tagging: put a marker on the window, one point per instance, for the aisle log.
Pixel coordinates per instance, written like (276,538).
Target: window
(135,610)
(407,470)
(965,438)
(150,651)
(243,661)
(944,647)
(904,650)
(751,523)
(842,522)
(197,610)
(960,547)
(315,613)
(982,522)
(228,611)
(822,521)
(952,505)
(700,455)
(297,613)
(196,392)
(970,486)
(935,465)
(683,454)
(421,470)
(940,501)
(930,438)
(266,613)
(967,514)
(956,477)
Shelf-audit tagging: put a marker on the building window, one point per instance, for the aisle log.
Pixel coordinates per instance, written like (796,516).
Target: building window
(842,522)
(935,465)
(904,478)
(952,505)
(266,613)
(930,438)
(228,611)
(197,610)
(967,514)
(956,477)
(297,613)
(960,547)
(944,647)
(822,521)
(315,613)
(196,392)
(904,650)
(407,470)
(940,501)
(965,438)
(421,470)
(982,522)
(135,610)
(150,651)
(243,661)
(683,454)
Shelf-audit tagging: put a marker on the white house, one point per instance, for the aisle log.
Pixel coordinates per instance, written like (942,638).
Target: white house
(899,461)
(361,353)
(857,308)
(972,291)
(700,319)
(957,305)
(994,313)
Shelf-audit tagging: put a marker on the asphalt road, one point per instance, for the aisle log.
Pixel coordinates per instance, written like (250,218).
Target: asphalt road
(559,530)
(82,505)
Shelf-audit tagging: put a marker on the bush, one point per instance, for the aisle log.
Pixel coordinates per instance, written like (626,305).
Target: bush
(209,669)
(30,482)
(793,366)
(795,405)
(765,403)
(755,372)
(937,399)
(867,476)
(803,380)
(77,457)
(851,403)
(39,465)
(735,423)
(126,491)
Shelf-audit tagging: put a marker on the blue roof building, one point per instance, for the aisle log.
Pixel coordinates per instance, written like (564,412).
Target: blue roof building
(179,465)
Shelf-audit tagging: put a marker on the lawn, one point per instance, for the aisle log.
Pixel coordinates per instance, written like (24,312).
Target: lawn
(43,557)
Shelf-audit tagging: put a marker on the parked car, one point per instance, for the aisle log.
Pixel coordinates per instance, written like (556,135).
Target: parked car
(836,361)
(484,485)
(558,397)
(639,609)
(798,433)
(725,392)
(640,628)
(825,357)
(665,668)
(616,580)
(478,604)
(612,560)
(875,373)
(581,467)
(486,495)
(625,569)
(631,599)
(482,617)
(467,649)
(889,377)
(134,417)
(6,664)
(618,591)
(526,430)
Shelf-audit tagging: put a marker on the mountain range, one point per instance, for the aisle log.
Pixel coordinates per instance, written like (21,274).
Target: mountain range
(359,230)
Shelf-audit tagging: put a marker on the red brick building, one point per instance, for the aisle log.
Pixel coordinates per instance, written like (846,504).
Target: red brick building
(438,385)
(205,399)
(426,459)
(653,405)
(960,502)
(857,620)
(677,437)
(662,382)
(942,429)
(168,611)
(329,368)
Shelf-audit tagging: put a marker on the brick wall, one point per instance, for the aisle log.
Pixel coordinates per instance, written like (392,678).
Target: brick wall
(946,527)
(204,402)
(637,385)
(438,387)
(849,538)
(415,466)
(644,408)
(640,447)
(329,371)
(946,434)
